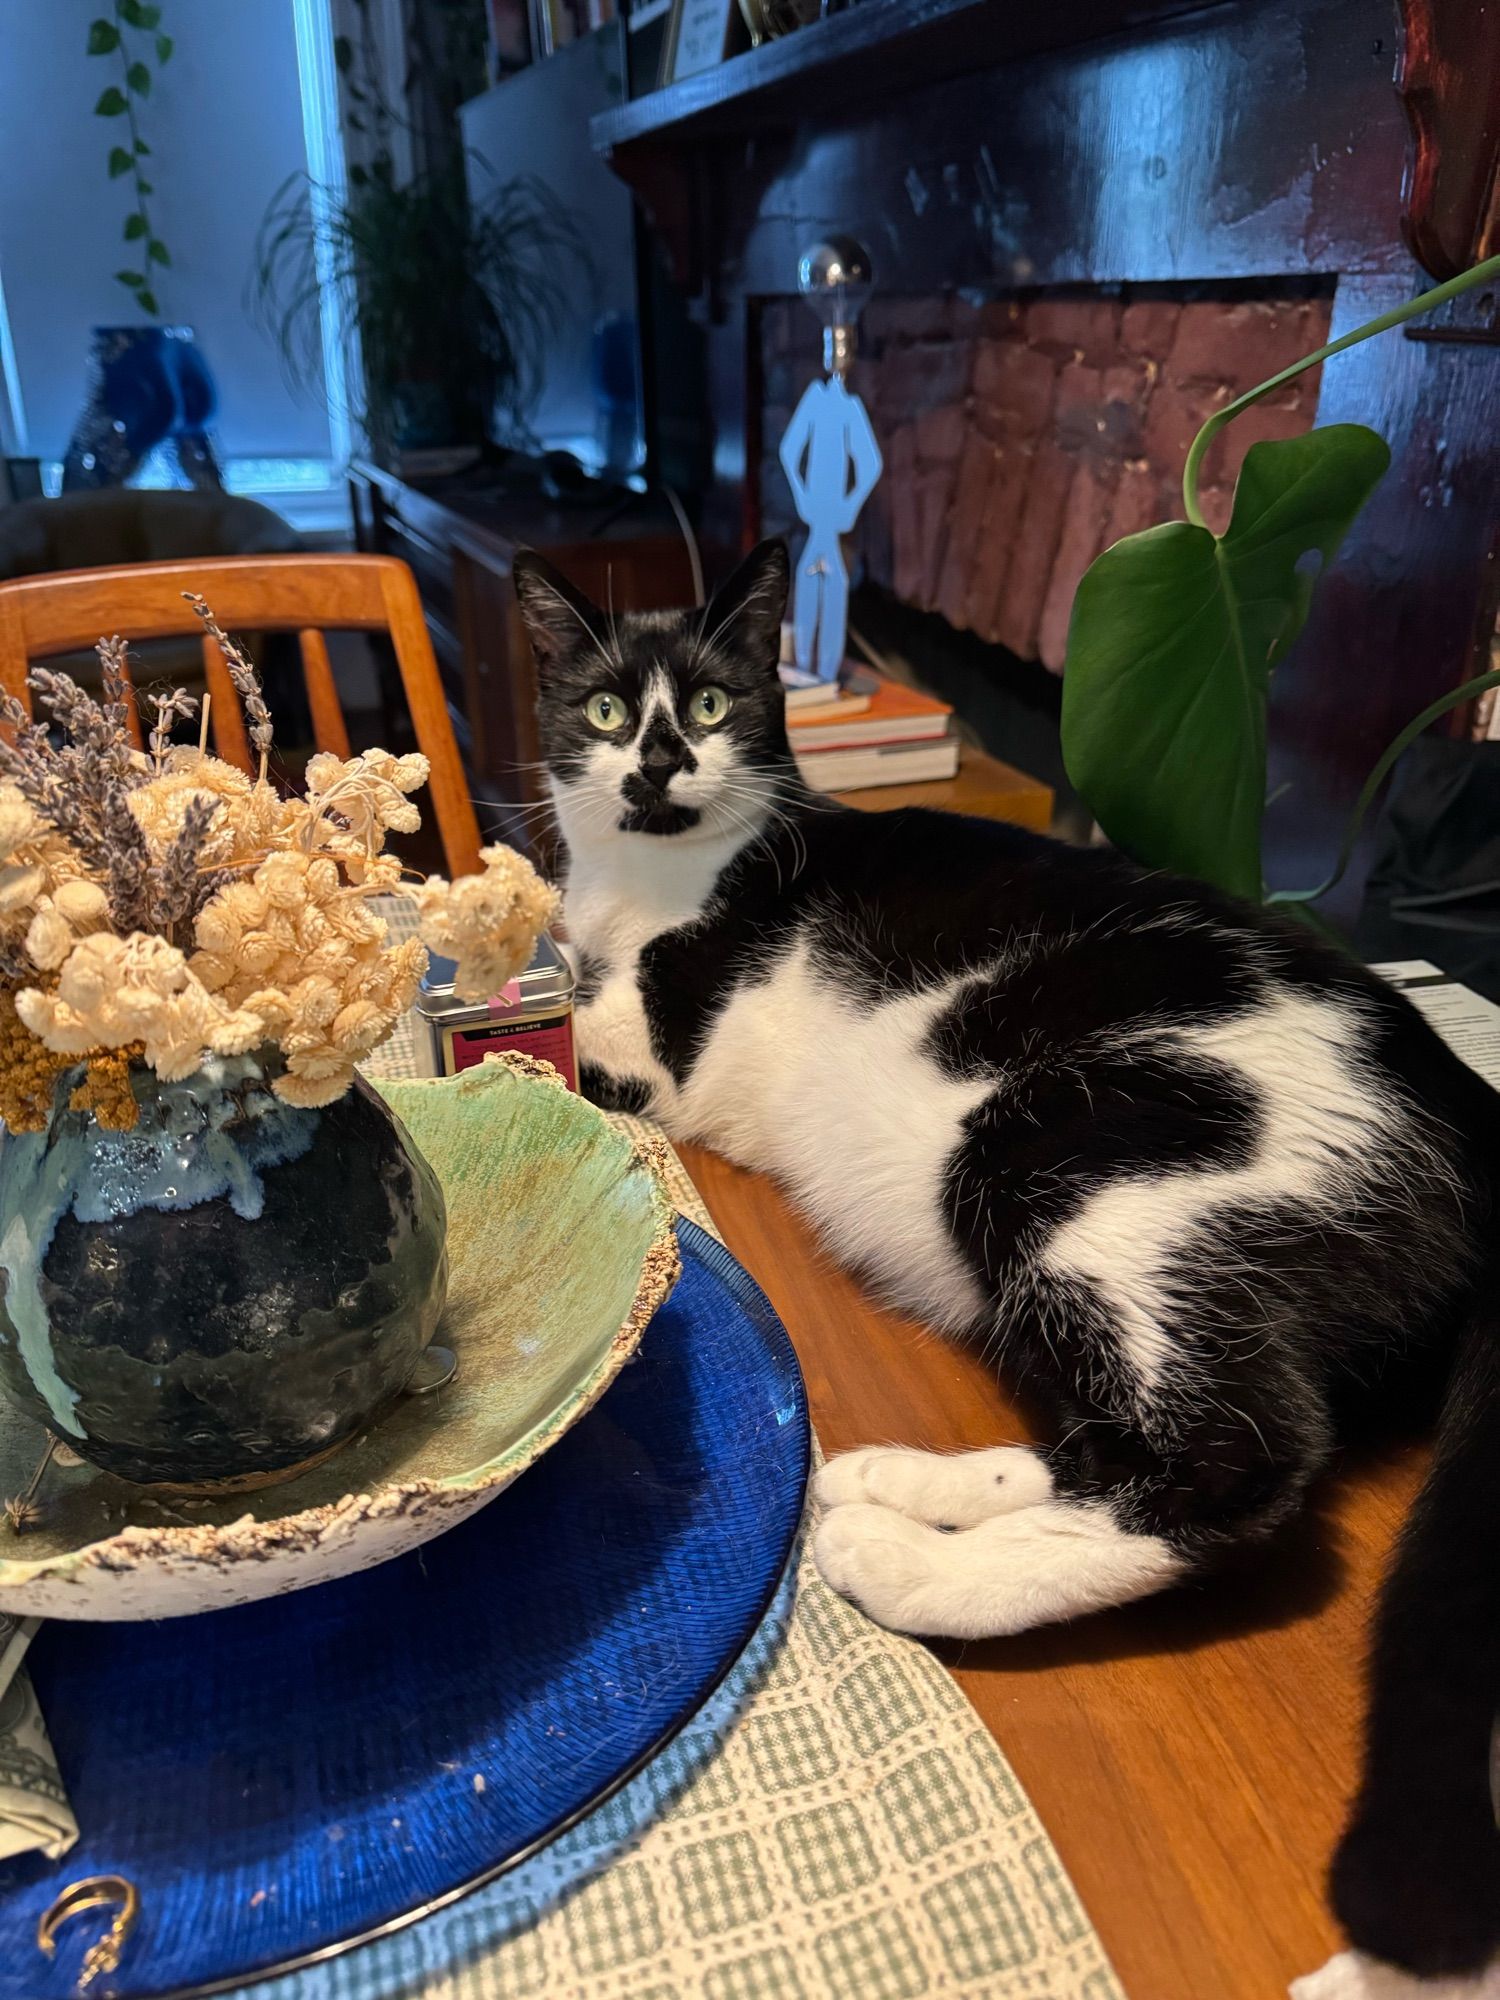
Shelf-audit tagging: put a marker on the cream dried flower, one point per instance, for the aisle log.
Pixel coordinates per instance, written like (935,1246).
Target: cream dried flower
(366,794)
(23,876)
(311,1082)
(380,875)
(21,882)
(84,903)
(34,857)
(361,1026)
(252,818)
(27,840)
(74,910)
(49,939)
(295,945)
(19,823)
(487,923)
(114,991)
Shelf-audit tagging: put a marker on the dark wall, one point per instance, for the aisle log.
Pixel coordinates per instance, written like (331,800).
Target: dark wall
(1251,140)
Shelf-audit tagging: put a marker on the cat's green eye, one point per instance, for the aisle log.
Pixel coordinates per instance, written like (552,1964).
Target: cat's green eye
(607,711)
(709,706)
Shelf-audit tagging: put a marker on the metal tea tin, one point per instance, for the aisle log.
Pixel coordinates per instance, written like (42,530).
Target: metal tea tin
(534,1016)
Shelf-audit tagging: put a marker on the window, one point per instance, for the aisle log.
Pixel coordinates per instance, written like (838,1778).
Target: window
(248,99)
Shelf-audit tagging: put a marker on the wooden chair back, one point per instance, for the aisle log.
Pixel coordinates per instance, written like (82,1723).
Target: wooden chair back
(306,594)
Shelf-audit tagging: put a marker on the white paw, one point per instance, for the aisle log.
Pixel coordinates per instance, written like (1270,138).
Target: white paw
(1003,1576)
(944,1489)
(880,1560)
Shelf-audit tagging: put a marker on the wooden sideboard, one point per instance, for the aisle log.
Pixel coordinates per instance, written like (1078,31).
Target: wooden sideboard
(460,538)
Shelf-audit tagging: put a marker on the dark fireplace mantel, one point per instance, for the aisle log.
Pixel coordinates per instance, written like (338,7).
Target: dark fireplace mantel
(871,52)
(1253,141)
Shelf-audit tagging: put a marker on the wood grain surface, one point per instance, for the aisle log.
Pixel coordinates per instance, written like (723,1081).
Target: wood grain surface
(1191,1756)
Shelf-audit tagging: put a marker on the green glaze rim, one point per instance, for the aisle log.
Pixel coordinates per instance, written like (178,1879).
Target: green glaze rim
(220,1546)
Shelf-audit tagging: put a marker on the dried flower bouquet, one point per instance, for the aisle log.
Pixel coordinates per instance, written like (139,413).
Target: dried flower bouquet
(161,907)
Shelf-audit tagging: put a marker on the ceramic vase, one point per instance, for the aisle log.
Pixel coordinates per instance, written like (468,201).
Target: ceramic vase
(224,1295)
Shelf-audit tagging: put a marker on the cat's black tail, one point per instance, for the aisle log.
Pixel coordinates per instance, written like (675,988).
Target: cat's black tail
(1417,1876)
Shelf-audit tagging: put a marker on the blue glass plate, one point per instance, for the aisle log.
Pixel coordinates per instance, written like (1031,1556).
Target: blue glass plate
(287,1779)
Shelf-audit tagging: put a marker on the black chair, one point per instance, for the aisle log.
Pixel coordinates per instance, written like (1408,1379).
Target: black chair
(126,525)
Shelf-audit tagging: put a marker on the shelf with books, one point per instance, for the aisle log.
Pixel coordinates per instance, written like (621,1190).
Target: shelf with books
(866,730)
(865,766)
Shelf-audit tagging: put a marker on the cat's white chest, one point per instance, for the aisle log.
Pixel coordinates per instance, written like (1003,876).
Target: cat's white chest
(615,907)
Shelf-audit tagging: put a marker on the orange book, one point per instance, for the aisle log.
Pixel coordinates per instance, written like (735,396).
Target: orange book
(895,714)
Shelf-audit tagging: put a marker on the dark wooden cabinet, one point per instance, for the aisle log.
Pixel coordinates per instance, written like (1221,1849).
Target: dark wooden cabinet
(461,541)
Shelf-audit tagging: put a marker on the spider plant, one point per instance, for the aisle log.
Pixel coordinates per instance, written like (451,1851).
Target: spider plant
(455,297)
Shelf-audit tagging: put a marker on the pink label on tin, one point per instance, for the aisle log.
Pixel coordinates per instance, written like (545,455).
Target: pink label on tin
(508,996)
(552,1040)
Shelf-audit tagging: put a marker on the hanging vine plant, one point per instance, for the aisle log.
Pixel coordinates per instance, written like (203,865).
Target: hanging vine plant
(133,34)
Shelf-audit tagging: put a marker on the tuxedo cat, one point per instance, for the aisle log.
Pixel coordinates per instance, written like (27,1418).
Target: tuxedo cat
(1208,1192)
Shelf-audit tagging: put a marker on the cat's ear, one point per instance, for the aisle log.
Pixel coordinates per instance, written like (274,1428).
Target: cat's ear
(746,613)
(559,620)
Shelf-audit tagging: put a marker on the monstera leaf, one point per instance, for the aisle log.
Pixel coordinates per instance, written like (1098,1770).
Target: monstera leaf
(1173,638)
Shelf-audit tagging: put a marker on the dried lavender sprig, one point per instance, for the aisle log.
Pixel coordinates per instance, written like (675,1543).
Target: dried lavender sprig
(209,885)
(114,660)
(14,710)
(30,761)
(178,706)
(242,673)
(84,790)
(178,878)
(98,752)
(80,718)
(128,864)
(32,764)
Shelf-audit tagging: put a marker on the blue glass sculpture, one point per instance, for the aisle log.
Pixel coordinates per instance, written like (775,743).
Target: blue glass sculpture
(148,386)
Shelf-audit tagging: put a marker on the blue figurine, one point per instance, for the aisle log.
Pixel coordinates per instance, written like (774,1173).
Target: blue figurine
(830,458)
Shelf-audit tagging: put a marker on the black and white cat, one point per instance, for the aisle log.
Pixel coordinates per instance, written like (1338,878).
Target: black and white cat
(1208,1191)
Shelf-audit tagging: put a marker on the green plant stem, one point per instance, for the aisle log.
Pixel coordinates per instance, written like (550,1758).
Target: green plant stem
(1377,778)
(136,174)
(1424,302)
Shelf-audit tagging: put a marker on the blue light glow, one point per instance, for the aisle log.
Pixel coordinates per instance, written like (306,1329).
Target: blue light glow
(12,433)
(313,21)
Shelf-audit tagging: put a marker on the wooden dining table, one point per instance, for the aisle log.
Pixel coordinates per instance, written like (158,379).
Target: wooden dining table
(1191,1756)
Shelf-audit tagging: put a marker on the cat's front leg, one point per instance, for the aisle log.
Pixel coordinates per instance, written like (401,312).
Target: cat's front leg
(615,1093)
(617,1066)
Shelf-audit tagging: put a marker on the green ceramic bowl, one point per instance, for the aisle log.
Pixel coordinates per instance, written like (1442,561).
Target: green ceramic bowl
(561,1246)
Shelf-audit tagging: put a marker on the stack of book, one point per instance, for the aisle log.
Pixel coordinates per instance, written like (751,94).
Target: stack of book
(864,730)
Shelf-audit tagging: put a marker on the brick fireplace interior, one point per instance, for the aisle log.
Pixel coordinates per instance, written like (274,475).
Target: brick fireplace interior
(1021,436)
